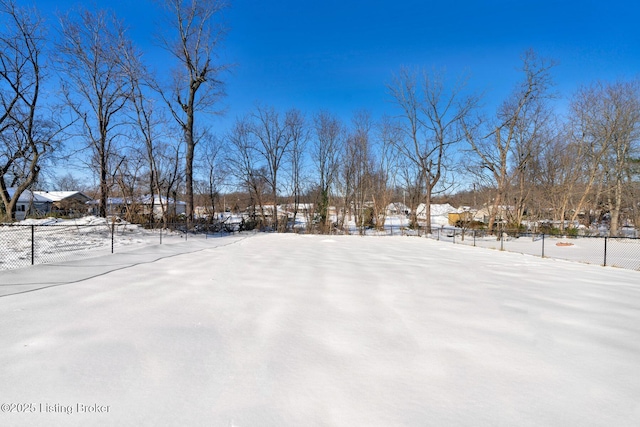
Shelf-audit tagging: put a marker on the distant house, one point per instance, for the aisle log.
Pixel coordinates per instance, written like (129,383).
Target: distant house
(397,209)
(115,206)
(484,214)
(303,209)
(464,214)
(171,207)
(268,211)
(30,203)
(201,211)
(439,213)
(119,206)
(66,203)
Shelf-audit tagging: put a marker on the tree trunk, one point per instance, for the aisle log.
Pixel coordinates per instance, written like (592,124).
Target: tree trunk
(615,212)
(190,143)
(427,207)
(104,189)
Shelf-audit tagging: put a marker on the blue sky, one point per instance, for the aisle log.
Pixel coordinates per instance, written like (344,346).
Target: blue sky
(338,55)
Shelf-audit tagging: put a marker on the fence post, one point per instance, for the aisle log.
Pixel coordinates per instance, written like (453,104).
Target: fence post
(502,240)
(474,238)
(454,237)
(113,229)
(160,234)
(33,244)
(605,251)
(542,245)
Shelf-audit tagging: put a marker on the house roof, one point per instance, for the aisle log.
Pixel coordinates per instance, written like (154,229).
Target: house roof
(28,196)
(436,209)
(57,196)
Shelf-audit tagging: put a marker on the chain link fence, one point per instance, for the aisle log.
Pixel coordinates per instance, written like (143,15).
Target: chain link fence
(22,245)
(623,252)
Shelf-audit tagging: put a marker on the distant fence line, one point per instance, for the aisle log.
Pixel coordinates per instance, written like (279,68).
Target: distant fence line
(22,245)
(623,252)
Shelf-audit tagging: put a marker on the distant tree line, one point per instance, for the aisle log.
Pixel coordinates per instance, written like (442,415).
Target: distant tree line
(142,133)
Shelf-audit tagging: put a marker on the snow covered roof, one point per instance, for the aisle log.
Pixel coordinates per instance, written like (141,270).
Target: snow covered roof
(436,209)
(28,196)
(56,196)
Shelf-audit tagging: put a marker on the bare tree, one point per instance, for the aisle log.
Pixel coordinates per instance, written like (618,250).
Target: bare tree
(193,36)
(588,148)
(95,86)
(431,113)
(299,136)
(169,176)
(532,136)
(148,128)
(623,100)
(410,179)
(127,181)
(274,136)
(27,137)
(357,169)
(214,171)
(327,148)
(69,182)
(385,168)
(552,178)
(607,117)
(242,158)
(517,121)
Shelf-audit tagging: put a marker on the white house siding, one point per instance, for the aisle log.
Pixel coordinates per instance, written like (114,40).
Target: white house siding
(30,204)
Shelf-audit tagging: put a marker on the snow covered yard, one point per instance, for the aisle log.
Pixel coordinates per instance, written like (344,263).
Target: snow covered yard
(295,330)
